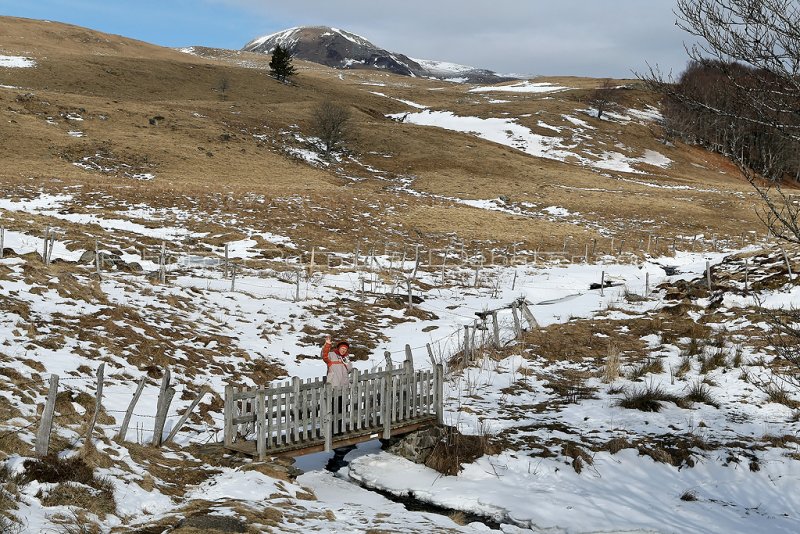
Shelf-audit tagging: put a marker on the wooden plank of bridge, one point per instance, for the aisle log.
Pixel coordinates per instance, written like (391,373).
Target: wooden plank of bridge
(387,408)
(261,424)
(351,416)
(270,414)
(315,433)
(359,397)
(296,408)
(287,431)
(327,419)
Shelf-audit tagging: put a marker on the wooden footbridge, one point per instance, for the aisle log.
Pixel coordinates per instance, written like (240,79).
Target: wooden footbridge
(299,417)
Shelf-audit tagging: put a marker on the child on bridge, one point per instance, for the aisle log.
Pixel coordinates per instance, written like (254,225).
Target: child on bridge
(338,363)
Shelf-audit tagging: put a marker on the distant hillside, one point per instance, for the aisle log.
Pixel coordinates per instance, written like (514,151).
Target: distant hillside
(344,50)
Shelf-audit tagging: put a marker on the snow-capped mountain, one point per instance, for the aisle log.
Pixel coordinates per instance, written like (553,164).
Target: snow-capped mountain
(345,50)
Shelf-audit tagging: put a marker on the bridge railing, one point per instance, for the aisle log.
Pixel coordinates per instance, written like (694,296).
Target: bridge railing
(301,414)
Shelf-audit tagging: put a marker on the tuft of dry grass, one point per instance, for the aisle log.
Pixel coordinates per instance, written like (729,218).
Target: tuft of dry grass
(700,392)
(649,366)
(611,369)
(648,398)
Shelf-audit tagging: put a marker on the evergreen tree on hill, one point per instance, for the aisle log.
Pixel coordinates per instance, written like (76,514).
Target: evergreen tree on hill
(280,66)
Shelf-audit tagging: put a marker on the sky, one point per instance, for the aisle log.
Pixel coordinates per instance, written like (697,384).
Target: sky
(601,38)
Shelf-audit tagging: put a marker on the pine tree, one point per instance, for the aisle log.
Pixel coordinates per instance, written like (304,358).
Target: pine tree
(280,65)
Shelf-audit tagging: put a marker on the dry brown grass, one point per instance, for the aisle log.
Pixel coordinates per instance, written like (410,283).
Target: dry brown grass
(204,149)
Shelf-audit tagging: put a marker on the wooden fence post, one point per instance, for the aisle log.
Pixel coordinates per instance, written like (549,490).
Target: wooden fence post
(2,241)
(123,430)
(225,265)
(297,288)
(528,315)
(311,263)
(746,275)
(517,325)
(788,265)
(430,354)
(388,400)
(44,247)
(165,395)
(233,278)
(228,432)
(186,414)
(602,283)
(261,424)
(98,401)
(646,284)
(495,330)
(46,422)
(708,275)
(466,345)
(51,247)
(439,393)
(97,265)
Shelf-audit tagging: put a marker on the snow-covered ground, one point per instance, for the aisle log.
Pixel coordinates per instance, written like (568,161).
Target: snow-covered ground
(209,333)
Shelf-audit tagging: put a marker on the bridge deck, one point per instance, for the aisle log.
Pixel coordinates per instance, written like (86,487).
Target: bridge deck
(351,438)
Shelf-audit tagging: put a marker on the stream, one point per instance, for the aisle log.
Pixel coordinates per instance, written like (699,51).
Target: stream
(334,464)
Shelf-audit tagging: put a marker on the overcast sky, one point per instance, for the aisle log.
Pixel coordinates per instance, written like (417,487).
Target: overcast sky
(550,37)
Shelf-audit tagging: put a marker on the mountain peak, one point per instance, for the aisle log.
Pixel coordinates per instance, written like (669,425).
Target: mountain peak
(342,49)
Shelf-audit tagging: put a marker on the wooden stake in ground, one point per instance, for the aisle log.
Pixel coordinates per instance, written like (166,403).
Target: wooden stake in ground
(788,265)
(708,275)
(233,278)
(646,284)
(97,257)
(123,430)
(311,263)
(51,247)
(44,247)
(46,423)
(602,283)
(514,281)
(225,264)
(2,241)
(746,275)
(496,330)
(98,403)
(297,287)
(517,324)
(165,395)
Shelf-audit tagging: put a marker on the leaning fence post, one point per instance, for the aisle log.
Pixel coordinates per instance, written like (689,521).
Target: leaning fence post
(430,354)
(186,414)
(43,435)
(123,430)
(98,401)
(496,330)
(517,325)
